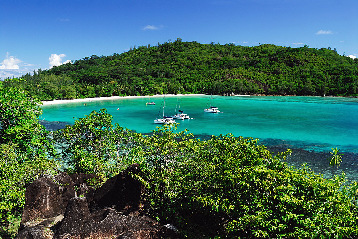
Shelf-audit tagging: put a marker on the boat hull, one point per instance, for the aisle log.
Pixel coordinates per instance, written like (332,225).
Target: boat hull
(212,110)
(164,121)
(181,116)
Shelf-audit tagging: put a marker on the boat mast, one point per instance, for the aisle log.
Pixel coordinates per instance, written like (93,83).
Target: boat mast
(163,106)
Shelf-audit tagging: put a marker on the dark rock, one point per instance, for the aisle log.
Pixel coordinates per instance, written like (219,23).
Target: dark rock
(109,223)
(54,209)
(39,229)
(121,192)
(45,199)
(77,213)
(35,232)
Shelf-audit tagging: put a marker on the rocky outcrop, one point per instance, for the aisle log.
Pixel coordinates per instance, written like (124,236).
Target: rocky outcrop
(68,207)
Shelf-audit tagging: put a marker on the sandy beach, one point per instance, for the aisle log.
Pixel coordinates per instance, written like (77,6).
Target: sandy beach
(56,102)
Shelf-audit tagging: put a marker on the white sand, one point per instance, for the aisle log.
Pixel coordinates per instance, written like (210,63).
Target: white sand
(56,102)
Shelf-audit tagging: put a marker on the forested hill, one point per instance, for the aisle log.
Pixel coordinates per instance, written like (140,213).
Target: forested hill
(191,67)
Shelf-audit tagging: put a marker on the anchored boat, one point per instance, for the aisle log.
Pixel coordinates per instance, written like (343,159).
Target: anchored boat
(181,115)
(212,109)
(164,119)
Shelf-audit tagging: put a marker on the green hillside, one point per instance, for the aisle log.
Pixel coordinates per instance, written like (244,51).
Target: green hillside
(191,67)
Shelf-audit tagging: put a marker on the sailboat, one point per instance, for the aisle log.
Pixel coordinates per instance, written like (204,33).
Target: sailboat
(165,119)
(212,109)
(180,114)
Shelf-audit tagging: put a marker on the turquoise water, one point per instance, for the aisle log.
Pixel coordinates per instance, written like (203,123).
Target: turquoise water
(310,123)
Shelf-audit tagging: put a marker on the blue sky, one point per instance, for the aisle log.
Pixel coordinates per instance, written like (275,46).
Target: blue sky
(38,34)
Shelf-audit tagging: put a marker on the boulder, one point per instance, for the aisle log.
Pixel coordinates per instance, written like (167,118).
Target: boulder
(45,199)
(79,222)
(121,192)
(68,207)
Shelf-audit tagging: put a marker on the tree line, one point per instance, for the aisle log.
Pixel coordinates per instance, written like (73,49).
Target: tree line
(191,67)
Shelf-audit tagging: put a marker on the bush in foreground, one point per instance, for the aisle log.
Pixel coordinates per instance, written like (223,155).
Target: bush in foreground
(222,187)
(24,154)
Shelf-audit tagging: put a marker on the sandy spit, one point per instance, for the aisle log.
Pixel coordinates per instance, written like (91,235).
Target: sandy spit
(56,102)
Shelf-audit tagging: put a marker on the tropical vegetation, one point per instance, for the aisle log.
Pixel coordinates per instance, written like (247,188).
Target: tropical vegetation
(25,154)
(222,187)
(191,67)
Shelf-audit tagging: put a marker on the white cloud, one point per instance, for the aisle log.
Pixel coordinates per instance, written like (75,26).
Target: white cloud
(10,63)
(352,56)
(150,27)
(56,60)
(4,74)
(14,67)
(324,32)
(297,43)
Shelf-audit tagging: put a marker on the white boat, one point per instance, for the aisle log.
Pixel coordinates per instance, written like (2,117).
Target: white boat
(212,109)
(181,115)
(164,119)
(150,102)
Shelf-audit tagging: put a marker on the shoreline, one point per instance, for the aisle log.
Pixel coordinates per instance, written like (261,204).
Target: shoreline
(57,102)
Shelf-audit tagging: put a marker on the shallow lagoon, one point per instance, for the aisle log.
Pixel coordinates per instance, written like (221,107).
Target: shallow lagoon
(309,125)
